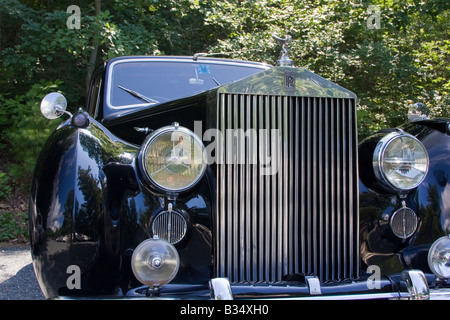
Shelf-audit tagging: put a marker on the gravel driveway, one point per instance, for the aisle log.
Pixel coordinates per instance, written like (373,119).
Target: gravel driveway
(17,278)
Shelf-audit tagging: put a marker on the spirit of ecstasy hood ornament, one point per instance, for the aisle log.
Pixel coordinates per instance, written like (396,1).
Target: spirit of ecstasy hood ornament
(284,60)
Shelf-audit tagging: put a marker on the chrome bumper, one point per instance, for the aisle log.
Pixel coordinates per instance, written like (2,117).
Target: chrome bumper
(414,286)
(415,280)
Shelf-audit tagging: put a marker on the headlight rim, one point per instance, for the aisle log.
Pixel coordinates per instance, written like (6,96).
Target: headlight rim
(378,155)
(147,143)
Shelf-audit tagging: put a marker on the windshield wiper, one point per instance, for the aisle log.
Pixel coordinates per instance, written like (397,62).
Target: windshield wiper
(138,95)
(215,80)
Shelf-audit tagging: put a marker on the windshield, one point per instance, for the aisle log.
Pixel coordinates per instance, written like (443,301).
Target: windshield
(143,82)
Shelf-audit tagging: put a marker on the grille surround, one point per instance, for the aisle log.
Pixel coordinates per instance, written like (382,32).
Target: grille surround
(302,220)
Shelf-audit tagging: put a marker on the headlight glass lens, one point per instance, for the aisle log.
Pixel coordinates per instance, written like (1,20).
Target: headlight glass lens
(172,158)
(439,257)
(402,161)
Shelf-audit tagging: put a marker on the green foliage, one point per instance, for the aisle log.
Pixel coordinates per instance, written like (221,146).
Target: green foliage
(13,226)
(26,130)
(406,60)
(5,187)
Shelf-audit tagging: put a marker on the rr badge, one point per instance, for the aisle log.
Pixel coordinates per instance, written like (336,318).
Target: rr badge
(289,81)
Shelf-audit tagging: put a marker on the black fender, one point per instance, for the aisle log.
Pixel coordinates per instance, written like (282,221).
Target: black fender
(74,209)
(430,200)
(89,209)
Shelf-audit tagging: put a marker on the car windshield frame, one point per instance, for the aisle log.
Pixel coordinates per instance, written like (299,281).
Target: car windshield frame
(215,72)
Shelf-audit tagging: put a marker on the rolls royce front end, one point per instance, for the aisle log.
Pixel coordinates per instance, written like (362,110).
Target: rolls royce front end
(201,178)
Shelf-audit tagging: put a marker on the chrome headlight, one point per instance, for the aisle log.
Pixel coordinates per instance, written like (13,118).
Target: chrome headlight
(171,158)
(439,257)
(400,161)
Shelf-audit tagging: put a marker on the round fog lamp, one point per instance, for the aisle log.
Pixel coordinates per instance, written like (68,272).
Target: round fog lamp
(155,262)
(400,161)
(439,257)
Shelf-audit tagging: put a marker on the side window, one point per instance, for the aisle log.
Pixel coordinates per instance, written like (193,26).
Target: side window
(95,97)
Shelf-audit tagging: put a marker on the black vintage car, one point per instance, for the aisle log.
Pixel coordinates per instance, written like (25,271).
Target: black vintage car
(204,178)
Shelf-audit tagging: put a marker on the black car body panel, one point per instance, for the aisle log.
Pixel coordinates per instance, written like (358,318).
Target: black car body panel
(317,219)
(428,200)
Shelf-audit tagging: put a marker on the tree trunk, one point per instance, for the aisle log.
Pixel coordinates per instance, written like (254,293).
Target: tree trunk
(93,57)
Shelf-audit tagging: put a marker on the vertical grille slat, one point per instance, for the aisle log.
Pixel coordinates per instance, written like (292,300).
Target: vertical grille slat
(303,219)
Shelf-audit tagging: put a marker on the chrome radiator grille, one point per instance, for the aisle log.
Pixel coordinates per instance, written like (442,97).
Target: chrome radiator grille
(304,218)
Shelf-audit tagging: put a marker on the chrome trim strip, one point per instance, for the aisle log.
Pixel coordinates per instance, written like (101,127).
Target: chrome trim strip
(368,296)
(262,143)
(435,294)
(339,175)
(440,294)
(296,192)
